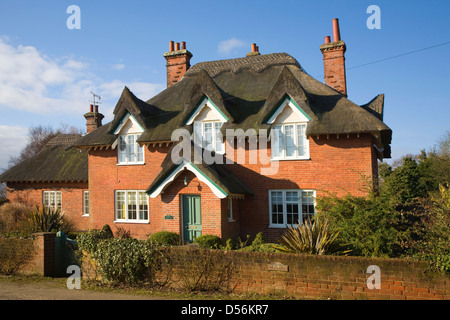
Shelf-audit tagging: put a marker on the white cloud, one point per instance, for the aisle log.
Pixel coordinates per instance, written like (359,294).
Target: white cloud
(226,46)
(31,81)
(118,66)
(14,139)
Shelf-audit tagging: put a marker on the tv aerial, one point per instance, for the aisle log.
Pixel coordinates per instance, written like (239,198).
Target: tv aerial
(96,96)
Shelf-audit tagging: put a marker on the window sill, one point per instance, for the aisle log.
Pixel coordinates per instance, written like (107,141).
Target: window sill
(231,220)
(131,164)
(128,221)
(85,216)
(289,159)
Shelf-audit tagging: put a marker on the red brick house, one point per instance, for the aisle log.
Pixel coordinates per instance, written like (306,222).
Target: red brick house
(230,148)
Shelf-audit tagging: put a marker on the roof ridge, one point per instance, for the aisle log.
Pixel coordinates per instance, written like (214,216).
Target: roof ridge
(63,139)
(257,63)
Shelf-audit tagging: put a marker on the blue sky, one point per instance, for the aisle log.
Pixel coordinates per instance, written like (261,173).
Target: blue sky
(47,71)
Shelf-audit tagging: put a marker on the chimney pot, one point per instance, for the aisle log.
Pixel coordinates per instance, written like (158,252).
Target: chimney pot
(336,32)
(254,47)
(170,46)
(96,108)
(91,108)
(183,45)
(177,46)
(327,39)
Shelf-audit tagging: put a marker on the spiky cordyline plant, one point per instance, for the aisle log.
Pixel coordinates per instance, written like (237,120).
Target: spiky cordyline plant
(45,219)
(310,237)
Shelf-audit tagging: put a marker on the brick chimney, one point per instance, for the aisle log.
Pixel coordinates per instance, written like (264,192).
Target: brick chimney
(178,62)
(334,60)
(93,119)
(254,52)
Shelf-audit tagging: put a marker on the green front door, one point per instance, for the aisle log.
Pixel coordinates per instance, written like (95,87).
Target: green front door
(192,217)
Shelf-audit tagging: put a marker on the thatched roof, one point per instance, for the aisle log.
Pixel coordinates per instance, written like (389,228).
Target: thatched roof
(246,90)
(58,161)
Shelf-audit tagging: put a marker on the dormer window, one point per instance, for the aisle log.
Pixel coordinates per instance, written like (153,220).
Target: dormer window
(289,140)
(129,150)
(207,134)
(207,120)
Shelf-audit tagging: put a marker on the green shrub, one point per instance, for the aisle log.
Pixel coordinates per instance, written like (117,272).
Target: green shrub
(88,241)
(208,241)
(127,261)
(258,245)
(165,238)
(369,226)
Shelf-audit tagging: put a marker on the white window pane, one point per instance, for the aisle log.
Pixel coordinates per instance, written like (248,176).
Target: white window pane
(143,206)
(301,138)
(276,145)
(308,208)
(86,202)
(140,150)
(132,205)
(46,199)
(198,140)
(276,207)
(120,204)
(208,136)
(290,140)
(58,199)
(122,152)
(130,148)
(218,136)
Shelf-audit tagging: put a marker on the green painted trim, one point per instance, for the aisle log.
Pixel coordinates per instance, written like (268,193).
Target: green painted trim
(123,117)
(286,97)
(175,168)
(199,105)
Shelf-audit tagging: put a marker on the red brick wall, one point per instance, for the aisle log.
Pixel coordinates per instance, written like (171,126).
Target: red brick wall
(333,277)
(71,193)
(106,176)
(338,165)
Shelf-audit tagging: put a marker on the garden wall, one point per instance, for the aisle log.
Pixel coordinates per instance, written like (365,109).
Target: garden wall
(335,277)
(302,276)
(28,256)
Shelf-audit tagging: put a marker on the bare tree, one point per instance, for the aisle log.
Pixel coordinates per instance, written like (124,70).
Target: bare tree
(38,137)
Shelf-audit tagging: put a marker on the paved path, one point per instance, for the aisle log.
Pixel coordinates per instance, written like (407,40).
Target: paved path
(55,290)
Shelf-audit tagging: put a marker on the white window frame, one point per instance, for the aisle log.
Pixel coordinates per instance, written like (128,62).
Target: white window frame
(297,144)
(85,203)
(230,210)
(125,209)
(137,149)
(57,196)
(215,138)
(299,202)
